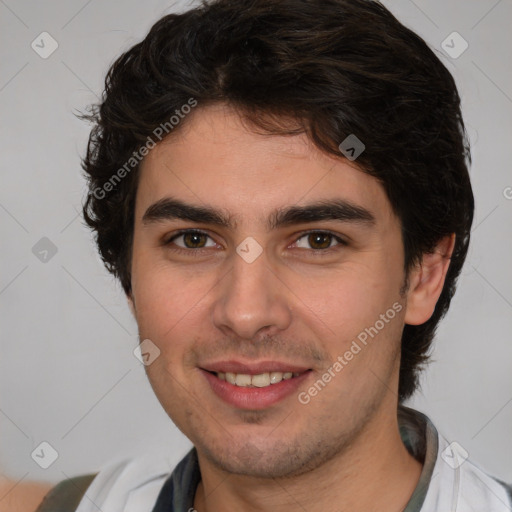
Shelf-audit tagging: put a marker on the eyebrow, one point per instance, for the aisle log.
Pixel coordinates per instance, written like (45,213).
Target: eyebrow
(335,209)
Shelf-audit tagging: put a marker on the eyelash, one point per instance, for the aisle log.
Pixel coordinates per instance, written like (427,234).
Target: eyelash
(198,251)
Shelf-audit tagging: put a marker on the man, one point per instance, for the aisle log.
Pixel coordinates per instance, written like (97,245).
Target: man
(281,187)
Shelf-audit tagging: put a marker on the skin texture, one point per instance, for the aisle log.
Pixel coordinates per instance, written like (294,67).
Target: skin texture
(292,304)
(23,497)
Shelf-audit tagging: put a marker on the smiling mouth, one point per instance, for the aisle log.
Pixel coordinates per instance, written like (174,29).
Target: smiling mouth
(262,380)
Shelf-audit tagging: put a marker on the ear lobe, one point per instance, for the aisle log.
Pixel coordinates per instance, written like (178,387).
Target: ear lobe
(426,282)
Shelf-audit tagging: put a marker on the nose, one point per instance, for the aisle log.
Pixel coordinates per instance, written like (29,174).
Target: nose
(251,300)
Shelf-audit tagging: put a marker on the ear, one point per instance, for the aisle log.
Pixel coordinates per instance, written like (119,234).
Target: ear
(426,282)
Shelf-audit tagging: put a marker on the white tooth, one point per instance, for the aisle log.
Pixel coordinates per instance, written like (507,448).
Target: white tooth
(261,380)
(242,379)
(276,377)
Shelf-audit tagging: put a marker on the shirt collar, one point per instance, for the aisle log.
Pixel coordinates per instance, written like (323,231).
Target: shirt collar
(421,439)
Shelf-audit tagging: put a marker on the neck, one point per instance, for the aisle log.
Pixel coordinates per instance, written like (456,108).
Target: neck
(375,469)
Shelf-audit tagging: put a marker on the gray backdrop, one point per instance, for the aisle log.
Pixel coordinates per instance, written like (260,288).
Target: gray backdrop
(68,375)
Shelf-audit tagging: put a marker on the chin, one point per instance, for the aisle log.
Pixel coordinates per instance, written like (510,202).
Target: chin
(280,459)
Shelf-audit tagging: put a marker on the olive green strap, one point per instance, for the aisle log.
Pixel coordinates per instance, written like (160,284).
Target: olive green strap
(66,495)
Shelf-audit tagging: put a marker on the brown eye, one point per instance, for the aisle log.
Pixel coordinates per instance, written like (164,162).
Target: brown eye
(318,240)
(191,240)
(194,240)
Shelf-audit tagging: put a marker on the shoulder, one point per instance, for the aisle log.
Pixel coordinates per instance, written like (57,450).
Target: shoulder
(465,485)
(126,484)
(481,490)
(450,480)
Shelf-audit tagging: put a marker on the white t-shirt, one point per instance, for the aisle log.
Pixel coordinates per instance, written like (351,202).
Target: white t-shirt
(449,482)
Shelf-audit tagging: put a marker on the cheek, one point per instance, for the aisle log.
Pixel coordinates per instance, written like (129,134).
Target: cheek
(345,301)
(167,301)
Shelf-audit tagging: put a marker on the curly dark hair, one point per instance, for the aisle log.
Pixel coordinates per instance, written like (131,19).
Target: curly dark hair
(336,67)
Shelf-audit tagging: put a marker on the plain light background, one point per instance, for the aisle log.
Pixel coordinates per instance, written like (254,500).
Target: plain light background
(67,372)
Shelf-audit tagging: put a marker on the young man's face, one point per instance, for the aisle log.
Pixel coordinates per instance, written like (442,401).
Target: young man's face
(297,307)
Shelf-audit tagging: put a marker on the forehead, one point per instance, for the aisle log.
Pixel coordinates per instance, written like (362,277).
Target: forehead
(216,158)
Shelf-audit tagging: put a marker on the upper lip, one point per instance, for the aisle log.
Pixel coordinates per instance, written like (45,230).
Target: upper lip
(253,368)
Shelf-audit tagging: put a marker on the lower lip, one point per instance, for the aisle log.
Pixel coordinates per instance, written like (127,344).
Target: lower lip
(254,398)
